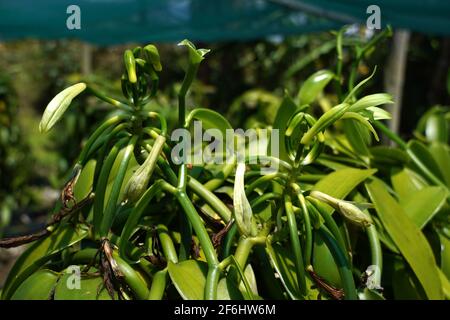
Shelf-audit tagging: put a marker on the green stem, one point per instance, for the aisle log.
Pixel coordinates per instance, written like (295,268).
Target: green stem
(228,241)
(210,198)
(205,242)
(307,220)
(158,285)
(166,243)
(375,249)
(342,263)
(107,99)
(390,134)
(265,197)
(296,247)
(187,81)
(268,177)
(330,223)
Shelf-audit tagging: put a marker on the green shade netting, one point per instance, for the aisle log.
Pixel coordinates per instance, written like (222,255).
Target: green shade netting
(119,21)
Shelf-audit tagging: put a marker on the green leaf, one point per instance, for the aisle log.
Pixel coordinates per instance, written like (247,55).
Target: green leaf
(40,252)
(58,105)
(445,284)
(210,119)
(371,101)
(420,152)
(405,284)
(375,113)
(408,238)
(422,205)
(91,288)
(357,136)
(38,286)
(314,85)
(285,112)
(340,183)
(83,185)
(195,55)
(189,278)
(323,262)
(406,182)
(436,128)
(445,254)
(282,261)
(284,265)
(368,294)
(362,121)
(326,120)
(441,154)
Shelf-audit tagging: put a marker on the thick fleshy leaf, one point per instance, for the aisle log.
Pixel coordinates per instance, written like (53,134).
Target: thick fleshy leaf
(323,262)
(91,288)
(445,254)
(314,85)
(58,105)
(436,128)
(423,204)
(210,119)
(417,150)
(38,286)
(368,294)
(340,183)
(282,261)
(441,154)
(405,284)
(84,183)
(407,237)
(40,252)
(406,182)
(189,278)
(358,137)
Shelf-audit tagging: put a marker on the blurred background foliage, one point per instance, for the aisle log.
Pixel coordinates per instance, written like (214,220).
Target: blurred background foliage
(243,80)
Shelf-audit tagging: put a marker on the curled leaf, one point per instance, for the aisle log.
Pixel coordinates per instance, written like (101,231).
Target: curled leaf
(152,57)
(195,55)
(58,105)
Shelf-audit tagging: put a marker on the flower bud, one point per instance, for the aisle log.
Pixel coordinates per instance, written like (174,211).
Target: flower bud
(242,210)
(138,182)
(58,105)
(347,209)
